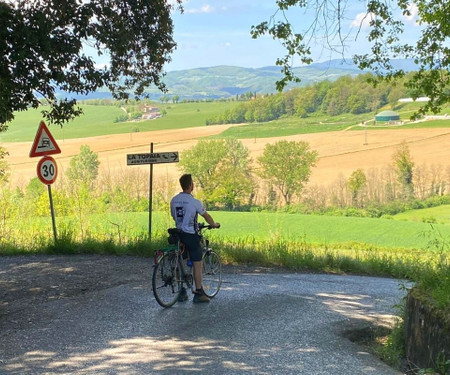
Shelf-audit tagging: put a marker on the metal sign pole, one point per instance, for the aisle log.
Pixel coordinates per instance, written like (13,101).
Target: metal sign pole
(44,145)
(151,158)
(150,198)
(52,211)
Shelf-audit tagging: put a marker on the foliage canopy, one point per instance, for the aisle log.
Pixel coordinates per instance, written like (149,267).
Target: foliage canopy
(43,48)
(287,165)
(83,167)
(385,37)
(223,171)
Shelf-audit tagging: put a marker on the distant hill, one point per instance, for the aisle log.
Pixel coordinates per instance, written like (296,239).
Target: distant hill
(225,81)
(228,81)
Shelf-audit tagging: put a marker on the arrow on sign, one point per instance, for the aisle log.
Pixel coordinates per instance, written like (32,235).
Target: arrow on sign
(153,158)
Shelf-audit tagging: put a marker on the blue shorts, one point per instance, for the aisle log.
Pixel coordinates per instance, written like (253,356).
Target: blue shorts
(193,245)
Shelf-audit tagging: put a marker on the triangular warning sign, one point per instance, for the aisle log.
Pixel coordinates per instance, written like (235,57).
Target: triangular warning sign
(44,143)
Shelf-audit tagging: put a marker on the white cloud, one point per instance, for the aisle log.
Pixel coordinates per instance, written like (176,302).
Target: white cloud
(204,9)
(362,20)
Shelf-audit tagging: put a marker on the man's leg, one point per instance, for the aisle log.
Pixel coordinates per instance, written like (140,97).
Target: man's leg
(199,295)
(198,275)
(194,247)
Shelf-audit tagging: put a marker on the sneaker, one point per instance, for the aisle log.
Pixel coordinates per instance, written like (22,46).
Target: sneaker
(183,295)
(200,297)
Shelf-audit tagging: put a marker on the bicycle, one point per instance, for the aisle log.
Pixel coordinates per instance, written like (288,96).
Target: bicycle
(170,274)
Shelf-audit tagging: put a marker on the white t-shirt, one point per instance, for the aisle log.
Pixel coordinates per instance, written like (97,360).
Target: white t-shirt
(184,209)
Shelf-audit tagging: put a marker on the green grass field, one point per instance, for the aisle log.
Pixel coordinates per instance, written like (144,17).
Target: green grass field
(383,247)
(326,229)
(264,226)
(99,120)
(440,215)
(323,123)
(286,127)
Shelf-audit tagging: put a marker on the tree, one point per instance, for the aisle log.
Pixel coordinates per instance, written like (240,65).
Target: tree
(356,183)
(287,166)
(42,50)
(202,161)
(430,51)
(34,189)
(83,168)
(235,178)
(222,170)
(404,166)
(4,167)
(394,95)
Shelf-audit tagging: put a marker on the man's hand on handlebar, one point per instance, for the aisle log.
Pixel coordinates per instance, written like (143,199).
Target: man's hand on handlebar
(208,226)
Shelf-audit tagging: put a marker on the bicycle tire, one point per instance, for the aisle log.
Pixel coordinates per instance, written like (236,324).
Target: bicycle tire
(166,280)
(211,273)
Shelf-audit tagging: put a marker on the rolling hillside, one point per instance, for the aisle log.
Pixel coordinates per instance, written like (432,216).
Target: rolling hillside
(228,81)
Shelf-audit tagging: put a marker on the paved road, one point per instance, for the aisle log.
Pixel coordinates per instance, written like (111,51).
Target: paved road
(258,324)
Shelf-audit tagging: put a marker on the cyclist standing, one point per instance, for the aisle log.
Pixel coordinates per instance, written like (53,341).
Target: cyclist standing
(185,209)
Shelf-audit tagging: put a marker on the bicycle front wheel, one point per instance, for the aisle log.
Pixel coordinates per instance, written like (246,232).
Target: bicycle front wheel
(212,273)
(166,280)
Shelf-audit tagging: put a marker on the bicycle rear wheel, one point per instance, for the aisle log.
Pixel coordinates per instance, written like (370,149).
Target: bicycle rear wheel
(212,273)
(166,280)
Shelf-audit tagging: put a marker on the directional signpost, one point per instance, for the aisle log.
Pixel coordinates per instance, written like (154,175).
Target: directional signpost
(152,158)
(44,144)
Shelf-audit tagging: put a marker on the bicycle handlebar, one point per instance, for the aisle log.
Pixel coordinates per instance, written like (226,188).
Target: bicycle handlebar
(206,226)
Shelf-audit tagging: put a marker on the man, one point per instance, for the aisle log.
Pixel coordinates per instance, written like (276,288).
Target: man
(185,209)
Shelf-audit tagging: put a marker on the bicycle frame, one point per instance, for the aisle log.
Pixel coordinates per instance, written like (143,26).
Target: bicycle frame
(170,272)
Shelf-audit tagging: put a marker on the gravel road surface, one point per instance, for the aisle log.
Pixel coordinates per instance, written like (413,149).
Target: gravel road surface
(97,315)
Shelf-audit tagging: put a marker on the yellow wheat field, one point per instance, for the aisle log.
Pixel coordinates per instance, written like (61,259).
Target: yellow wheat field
(340,152)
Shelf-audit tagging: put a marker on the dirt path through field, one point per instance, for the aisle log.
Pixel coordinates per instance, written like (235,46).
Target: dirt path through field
(340,152)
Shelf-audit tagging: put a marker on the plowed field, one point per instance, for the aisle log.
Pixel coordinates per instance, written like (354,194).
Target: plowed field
(339,152)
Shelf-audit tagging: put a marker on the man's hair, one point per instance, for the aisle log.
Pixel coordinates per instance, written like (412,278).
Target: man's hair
(185,181)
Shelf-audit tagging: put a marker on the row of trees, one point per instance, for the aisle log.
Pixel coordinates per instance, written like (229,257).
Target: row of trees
(226,177)
(226,173)
(223,170)
(279,177)
(345,95)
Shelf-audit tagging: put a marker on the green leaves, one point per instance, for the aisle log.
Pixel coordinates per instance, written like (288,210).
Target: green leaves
(222,169)
(287,165)
(41,46)
(385,37)
(291,41)
(83,168)
(4,167)
(404,167)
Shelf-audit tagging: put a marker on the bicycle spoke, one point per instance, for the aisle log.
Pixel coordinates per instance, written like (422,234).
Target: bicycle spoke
(166,280)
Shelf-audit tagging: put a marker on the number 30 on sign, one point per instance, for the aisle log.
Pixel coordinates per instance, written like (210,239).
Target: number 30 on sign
(47,170)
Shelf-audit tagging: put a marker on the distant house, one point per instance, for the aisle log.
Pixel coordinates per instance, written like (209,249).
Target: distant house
(150,113)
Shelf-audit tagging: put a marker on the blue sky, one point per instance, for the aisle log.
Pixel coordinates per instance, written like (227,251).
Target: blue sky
(217,32)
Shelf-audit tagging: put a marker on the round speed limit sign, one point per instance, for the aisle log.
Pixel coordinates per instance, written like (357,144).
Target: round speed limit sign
(47,170)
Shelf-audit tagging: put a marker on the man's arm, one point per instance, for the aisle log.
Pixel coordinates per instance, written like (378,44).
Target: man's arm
(210,220)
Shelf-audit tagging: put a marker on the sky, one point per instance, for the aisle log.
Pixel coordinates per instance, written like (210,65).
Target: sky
(217,32)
